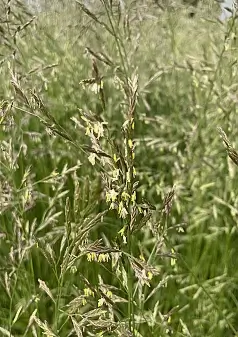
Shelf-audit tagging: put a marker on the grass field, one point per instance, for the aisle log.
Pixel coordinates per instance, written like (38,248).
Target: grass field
(118,170)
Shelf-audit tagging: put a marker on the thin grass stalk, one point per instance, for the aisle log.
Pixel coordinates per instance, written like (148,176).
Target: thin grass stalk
(128,138)
(213,81)
(119,43)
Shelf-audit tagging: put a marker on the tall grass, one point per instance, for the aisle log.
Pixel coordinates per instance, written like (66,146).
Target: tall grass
(118,170)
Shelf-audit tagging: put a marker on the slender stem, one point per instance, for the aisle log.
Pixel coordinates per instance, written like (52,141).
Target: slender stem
(119,44)
(218,66)
(128,136)
(130,285)
(58,298)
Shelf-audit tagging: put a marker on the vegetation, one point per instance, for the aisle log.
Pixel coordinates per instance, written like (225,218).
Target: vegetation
(118,170)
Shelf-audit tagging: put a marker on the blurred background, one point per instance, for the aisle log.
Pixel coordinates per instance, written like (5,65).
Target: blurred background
(187,89)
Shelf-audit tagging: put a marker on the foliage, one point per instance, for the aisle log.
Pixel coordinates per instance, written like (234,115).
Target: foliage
(118,181)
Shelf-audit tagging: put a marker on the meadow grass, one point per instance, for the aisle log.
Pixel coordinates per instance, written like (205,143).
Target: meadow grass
(118,170)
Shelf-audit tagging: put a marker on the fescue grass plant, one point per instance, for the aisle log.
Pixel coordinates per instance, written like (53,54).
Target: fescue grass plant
(118,170)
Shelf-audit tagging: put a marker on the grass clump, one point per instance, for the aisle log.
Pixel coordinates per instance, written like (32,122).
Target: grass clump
(118,200)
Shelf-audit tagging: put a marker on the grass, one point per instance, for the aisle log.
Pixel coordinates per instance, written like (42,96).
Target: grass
(118,170)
